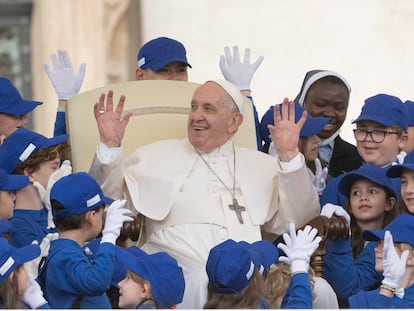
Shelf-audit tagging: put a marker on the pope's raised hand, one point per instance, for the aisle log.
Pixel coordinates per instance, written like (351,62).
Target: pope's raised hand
(285,132)
(111,123)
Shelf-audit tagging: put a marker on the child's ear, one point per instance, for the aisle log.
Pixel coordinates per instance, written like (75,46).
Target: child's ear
(391,204)
(410,259)
(146,290)
(10,277)
(30,175)
(90,216)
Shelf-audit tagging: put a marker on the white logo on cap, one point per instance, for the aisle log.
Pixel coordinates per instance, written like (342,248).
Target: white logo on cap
(141,61)
(92,201)
(249,273)
(6,266)
(27,152)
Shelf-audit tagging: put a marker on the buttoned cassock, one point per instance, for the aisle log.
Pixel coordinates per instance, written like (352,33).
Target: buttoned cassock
(186,206)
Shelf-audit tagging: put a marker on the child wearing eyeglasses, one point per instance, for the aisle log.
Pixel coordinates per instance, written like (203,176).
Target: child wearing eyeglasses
(380,137)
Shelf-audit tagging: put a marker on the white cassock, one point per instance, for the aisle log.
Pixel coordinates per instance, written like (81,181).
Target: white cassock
(187,206)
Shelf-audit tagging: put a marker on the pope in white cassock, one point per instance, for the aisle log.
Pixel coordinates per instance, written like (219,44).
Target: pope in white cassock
(200,191)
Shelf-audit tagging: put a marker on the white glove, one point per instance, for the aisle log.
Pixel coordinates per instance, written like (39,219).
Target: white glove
(401,157)
(319,179)
(299,247)
(64,170)
(33,296)
(116,215)
(330,209)
(394,265)
(32,266)
(64,79)
(236,72)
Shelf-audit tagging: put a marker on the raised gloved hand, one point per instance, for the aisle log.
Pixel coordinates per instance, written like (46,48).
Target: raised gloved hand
(32,266)
(65,80)
(33,296)
(330,209)
(299,247)
(394,265)
(64,170)
(236,72)
(319,178)
(116,215)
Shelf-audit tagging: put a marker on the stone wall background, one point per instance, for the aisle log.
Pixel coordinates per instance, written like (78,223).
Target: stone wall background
(369,42)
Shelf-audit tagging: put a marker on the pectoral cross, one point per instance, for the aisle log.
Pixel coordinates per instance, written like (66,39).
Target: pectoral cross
(237,209)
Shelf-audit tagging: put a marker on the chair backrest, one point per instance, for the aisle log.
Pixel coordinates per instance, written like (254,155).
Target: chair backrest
(160,110)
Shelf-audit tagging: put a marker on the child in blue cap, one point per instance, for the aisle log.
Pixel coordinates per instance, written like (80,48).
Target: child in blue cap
(8,185)
(152,281)
(308,143)
(17,290)
(28,153)
(410,130)
(69,277)
(394,257)
(13,108)
(235,274)
(371,204)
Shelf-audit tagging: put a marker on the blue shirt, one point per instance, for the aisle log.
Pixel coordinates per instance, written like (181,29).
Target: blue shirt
(299,293)
(71,274)
(346,275)
(373,299)
(27,226)
(60,124)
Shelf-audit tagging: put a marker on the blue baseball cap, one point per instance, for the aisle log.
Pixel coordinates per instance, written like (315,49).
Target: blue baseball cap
(396,170)
(160,270)
(78,193)
(410,108)
(11,257)
(312,125)
(231,265)
(384,109)
(120,270)
(11,102)
(12,182)
(401,228)
(371,172)
(159,52)
(21,144)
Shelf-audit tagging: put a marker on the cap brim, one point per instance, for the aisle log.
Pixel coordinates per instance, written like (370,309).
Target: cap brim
(268,250)
(373,235)
(23,107)
(128,257)
(26,253)
(159,66)
(396,170)
(56,140)
(375,118)
(313,125)
(347,180)
(15,182)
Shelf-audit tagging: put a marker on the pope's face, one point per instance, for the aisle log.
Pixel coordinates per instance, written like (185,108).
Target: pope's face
(213,117)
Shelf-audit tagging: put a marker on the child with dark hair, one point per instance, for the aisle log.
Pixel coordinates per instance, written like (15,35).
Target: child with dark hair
(394,257)
(70,278)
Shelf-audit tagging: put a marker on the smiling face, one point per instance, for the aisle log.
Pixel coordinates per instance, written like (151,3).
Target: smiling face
(369,203)
(407,189)
(385,152)
(327,99)
(131,293)
(213,117)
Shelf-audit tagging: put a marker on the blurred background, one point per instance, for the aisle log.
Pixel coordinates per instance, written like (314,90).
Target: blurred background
(370,42)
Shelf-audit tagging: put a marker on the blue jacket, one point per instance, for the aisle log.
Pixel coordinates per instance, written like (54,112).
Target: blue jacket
(71,275)
(60,124)
(346,275)
(299,293)
(373,299)
(27,226)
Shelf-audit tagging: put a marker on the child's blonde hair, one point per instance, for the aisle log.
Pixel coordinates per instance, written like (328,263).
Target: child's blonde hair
(10,292)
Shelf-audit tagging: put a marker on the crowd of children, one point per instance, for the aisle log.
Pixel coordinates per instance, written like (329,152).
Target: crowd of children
(49,214)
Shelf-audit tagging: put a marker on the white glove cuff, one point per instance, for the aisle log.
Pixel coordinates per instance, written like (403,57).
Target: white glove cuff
(299,265)
(109,237)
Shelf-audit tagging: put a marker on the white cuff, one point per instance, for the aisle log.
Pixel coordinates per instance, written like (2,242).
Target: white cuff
(107,155)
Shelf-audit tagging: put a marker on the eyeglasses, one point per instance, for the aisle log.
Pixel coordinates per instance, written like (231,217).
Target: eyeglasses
(377,136)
